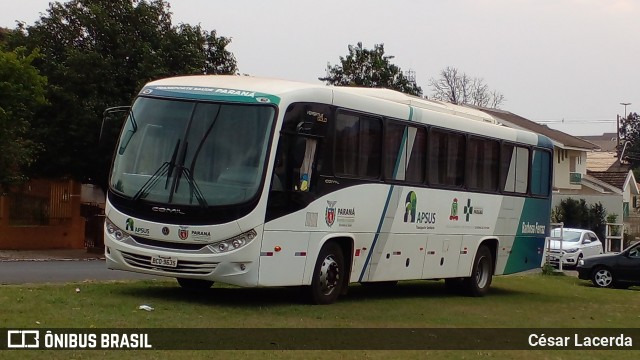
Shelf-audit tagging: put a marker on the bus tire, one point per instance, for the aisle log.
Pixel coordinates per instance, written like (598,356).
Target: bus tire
(194,284)
(478,283)
(328,275)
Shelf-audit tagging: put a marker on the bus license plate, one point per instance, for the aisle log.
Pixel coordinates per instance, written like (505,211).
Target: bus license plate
(164,261)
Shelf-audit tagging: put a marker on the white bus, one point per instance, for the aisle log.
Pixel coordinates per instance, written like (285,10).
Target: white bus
(260,182)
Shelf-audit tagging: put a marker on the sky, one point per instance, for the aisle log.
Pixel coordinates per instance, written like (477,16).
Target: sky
(565,63)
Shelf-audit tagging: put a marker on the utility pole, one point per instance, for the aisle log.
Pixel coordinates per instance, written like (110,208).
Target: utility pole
(625,108)
(618,131)
(618,121)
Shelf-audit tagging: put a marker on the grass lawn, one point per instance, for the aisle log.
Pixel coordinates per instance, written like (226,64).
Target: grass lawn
(529,301)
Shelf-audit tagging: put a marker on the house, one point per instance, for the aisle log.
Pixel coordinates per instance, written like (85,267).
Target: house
(607,142)
(571,179)
(42,214)
(606,166)
(52,214)
(606,159)
(625,182)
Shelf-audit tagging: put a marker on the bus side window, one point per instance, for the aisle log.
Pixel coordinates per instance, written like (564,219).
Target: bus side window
(307,166)
(296,161)
(294,166)
(278,182)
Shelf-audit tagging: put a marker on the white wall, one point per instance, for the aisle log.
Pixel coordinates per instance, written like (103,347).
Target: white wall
(562,169)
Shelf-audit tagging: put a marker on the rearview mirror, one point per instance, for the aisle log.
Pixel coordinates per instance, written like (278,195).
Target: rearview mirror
(109,116)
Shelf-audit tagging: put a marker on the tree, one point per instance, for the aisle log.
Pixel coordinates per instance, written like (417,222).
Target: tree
(459,88)
(21,94)
(630,132)
(369,68)
(97,54)
(576,214)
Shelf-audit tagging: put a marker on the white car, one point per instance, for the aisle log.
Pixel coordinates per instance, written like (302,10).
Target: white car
(576,244)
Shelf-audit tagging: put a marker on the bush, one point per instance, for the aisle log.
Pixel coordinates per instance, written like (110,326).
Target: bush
(576,214)
(548,269)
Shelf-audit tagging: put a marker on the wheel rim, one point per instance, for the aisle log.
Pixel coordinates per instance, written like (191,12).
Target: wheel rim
(482,272)
(603,277)
(329,275)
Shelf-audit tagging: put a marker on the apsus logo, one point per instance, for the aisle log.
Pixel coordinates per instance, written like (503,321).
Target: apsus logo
(410,207)
(142,231)
(129,225)
(412,215)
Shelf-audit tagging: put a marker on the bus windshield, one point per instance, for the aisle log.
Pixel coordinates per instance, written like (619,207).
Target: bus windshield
(192,153)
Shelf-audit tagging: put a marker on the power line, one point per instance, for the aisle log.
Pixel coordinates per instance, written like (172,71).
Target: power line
(575,121)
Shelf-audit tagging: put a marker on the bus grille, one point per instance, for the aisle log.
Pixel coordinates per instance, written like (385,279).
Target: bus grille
(169,245)
(184,266)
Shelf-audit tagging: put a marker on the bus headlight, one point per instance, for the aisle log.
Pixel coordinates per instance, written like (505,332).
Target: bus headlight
(234,243)
(114,231)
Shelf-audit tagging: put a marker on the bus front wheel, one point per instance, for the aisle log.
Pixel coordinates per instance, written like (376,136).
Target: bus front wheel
(328,275)
(480,280)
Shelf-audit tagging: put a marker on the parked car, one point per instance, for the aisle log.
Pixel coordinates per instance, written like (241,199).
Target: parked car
(576,244)
(619,270)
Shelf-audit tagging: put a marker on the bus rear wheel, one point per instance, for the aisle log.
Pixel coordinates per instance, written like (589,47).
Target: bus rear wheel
(194,284)
(481,274)
(328,275)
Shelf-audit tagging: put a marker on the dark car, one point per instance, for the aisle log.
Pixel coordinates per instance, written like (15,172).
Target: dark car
(619,270)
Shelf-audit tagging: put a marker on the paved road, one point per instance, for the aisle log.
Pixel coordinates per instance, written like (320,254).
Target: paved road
(55,271)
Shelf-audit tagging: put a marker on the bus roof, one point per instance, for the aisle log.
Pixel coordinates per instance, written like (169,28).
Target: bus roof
(280,87)
(450,115)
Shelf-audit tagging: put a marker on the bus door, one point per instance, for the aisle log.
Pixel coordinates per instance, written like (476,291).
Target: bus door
(289,220)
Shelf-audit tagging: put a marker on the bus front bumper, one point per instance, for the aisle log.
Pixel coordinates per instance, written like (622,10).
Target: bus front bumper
(236,268)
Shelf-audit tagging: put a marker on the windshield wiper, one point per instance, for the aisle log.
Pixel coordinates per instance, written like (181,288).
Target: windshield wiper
(165,169)
(172,163)
(153,180)
(204,137)
(193,187)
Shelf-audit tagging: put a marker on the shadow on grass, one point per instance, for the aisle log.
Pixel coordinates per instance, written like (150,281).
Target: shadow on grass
(236,296)
(589,284)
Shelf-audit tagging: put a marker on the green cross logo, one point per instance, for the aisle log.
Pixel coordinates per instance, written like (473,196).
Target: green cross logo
(468,209)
